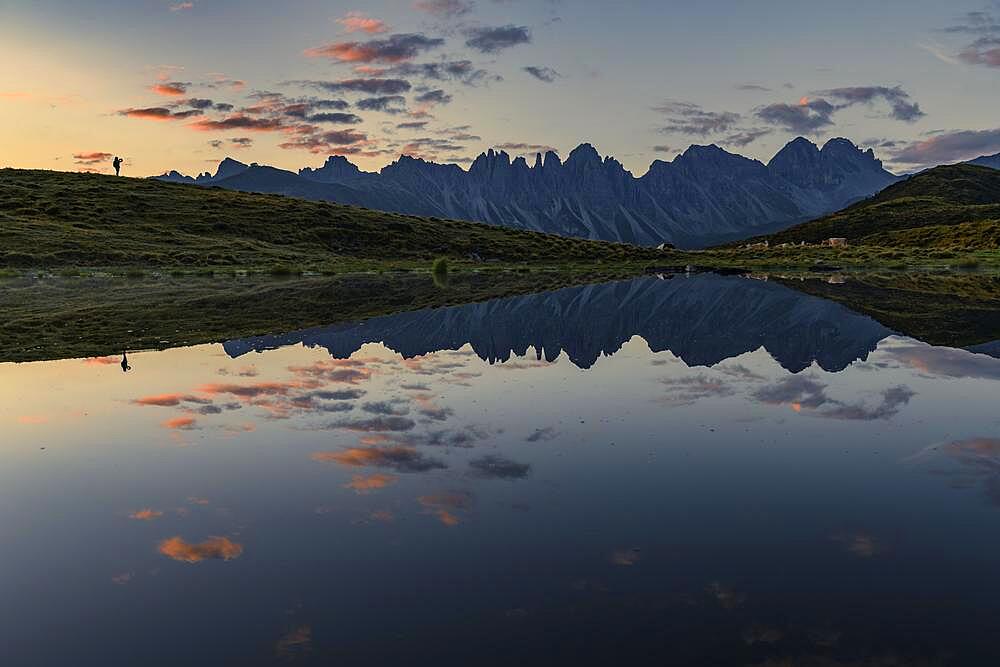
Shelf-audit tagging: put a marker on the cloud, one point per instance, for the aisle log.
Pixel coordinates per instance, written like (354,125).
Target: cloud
(334,117)
(663,148)
(444,8)
(463,71)
(206,104)
(546,74)
(745,137)
(169,400)
(376,424)
(397,457)
(146,514)
(170,88)
(953,146)
(689,118)
(358,22)
(237,122)
(214,548)
(159,113)
(436,96)
(807,117)
(498,467)
(182,6)
(370,86)
(496,39)
(392,104)
(753,87)
(984,27)
(901,106)
(396,407)
(181,424)
(91,159)
(414,125)
(392,49)
(334,141)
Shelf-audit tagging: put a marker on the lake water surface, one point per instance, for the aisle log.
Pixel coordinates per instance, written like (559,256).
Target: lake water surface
(701,470)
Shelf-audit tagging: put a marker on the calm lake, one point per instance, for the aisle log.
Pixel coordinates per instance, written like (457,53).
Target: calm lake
(700,470)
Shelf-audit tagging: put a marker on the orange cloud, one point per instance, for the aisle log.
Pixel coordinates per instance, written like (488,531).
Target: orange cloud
(237,122)
(163,400)
(358,22)
(214,548)
(169,89)
(32,419)
(181,423)
(362,484)
(443,505)
(146,514)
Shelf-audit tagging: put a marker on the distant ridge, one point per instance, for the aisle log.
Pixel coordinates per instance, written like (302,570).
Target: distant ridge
(702,196)
(951,206)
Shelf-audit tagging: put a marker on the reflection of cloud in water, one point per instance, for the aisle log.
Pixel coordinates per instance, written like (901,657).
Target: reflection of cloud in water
(687,390)
(362,484)
(626,557)
(762,634)
(398,458)
(383,516)
(804,392)
(298,642)
(944,361)
(170,400)
(214,548)
(979,461)
(102,361)
(543,434)
(728,597)
(861,545)
(145,514)
(498,467)
(444,505)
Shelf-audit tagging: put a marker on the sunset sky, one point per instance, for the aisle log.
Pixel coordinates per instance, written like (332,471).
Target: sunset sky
(182,84)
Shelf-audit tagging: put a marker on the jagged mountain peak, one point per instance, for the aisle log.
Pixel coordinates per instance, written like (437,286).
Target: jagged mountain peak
(229,167)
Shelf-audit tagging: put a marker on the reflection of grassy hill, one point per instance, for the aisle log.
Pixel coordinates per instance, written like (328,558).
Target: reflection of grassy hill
(952,310)
(949,206)
(54,219)
(60,318)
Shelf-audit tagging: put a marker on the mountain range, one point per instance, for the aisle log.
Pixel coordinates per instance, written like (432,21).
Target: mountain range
(702,319)
(704,196)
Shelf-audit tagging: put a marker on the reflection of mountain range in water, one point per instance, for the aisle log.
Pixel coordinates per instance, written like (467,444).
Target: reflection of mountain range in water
(703,319)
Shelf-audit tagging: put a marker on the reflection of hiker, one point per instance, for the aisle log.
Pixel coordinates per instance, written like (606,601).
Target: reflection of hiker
(117,164)
(125,367)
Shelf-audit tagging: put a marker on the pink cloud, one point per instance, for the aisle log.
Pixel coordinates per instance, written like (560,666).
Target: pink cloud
(358,22)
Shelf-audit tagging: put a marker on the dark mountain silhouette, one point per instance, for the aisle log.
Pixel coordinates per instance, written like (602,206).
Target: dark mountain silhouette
(703,196)
(703,319)
(991,161)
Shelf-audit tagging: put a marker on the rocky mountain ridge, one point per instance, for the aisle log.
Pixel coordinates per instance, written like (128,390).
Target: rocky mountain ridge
(703,196)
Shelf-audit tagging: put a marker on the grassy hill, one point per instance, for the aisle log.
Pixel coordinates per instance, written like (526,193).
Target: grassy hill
(54,219)
(953,206)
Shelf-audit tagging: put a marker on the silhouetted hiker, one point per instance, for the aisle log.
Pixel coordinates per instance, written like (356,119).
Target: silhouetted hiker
(117,164)
(125,367)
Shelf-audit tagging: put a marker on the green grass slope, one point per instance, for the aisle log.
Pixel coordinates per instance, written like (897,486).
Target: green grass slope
(57,219)
(953,206)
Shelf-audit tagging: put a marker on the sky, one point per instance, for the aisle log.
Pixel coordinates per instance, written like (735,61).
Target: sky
(181,84)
